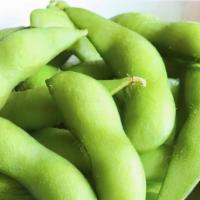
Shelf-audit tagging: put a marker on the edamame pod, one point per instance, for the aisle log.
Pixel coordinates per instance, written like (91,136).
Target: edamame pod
(55,17)
(185,163)
(50,17)
(34,109)
(45,174)
(101,132)
(65,144)
(22,54)
(31,109)
(145,24)
(191,90)
(83,49)
(149,112)
(175,38)
(183,170)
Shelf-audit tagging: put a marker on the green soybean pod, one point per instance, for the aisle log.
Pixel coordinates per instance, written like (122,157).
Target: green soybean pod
(99,70)
(66,145)
(185,158)
(83,49)
(116,166)
(22,54)
(55,17)
(191,87)
(183,170)
(126,52)
(31,109)
(175,38)
(146,25)
(50,17)
(34,109)
(45,174)
(58,140)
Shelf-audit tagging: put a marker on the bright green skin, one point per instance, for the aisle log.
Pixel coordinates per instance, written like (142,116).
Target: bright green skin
(66,145)
(184,167)
(5,32)
(155,162)
(58,140)
(191,83)
(50,17)
(96,69)
(38,79)
(146,25)
(127,53)
(99,70)
(31,109)
(178,38)
(116,166)
(34,109)
(85,51)
(45,174)
(22,54)
(55,17)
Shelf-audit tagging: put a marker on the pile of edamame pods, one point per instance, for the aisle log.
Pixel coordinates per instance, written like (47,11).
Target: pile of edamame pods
(122,123)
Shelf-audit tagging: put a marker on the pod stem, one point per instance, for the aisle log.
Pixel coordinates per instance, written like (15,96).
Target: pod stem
(136,80)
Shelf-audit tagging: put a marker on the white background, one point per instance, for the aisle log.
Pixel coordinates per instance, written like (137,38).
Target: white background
(16,12)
